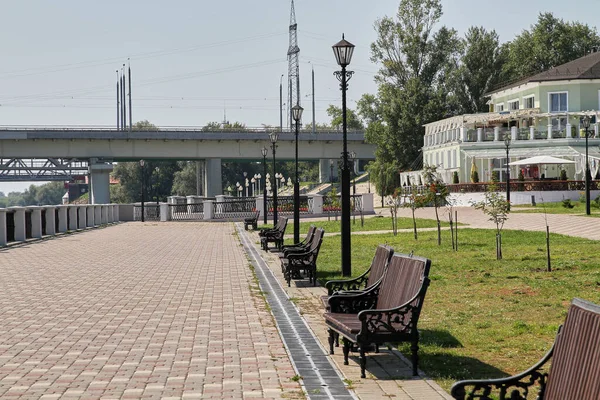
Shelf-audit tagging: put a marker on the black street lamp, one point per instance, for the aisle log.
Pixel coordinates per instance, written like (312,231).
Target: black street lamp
(331,173)
(507,139)
(343,55)
(142,173)
(297,116)
(264,152)
(586,126)
(273,136)
(353,157)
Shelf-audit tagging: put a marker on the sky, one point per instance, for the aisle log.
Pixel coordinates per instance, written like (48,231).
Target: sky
(193,61)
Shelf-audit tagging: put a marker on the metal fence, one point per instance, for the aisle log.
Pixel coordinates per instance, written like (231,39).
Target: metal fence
(238,208)
(285,205)
(192,211)
(151,212)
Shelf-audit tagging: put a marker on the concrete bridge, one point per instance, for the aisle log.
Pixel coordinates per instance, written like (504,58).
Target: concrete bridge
(100,146)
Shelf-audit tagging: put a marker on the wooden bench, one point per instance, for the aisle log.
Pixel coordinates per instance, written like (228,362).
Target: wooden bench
(274,236)
(364,282)
(573,374)
(301,247)
(263,231)
(252,221)
(388,312)
(306,262)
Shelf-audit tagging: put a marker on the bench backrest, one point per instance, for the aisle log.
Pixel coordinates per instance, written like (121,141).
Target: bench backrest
(284,222)
(404,278)
(383,253)
(315,245)
(575,369)
(310,235)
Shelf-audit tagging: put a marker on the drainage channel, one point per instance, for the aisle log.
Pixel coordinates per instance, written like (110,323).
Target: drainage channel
(320,379)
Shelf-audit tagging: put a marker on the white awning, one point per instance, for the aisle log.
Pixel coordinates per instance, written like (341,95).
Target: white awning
(526,152)
(542,160)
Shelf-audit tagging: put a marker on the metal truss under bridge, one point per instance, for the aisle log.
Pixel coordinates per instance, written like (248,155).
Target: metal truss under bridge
(51,169)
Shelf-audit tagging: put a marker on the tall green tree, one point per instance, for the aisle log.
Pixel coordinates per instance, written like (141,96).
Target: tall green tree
(478,71)
(353,121)
(550,42)
(416,60)
(185,180)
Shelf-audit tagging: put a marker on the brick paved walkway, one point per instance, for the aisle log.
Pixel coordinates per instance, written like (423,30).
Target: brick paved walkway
(137,311)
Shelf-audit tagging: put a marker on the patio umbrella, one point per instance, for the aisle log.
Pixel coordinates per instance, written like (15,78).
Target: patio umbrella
(542,160)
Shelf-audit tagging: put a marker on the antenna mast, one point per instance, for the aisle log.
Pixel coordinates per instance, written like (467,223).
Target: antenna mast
(293,65)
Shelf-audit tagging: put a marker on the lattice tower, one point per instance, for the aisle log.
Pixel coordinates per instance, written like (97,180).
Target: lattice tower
(293,66)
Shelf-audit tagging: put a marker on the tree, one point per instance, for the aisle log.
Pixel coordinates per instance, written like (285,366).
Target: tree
(185,180)
(479,70)
(548,43)
(353,122)
(157,182)
(497,208)
(144,125)
(415,61)
(437,194)
(414,200)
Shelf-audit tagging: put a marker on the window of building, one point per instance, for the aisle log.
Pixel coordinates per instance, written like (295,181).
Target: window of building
(529,102)
(500,107)
(558,102)
(513,105)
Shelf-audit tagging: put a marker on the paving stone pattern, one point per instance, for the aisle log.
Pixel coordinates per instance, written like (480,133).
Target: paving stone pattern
(138,311)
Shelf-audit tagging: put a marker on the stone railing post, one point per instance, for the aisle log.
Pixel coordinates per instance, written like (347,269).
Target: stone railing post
(116,214)
(317,207)
(209,209)
(532,133)
(549,132)
(50,220)
(97,214)
(89,209)
(514,133)
(104,214)
(82,212)
(367,203)
(480,134)
(496,134)
(165,214)
(463,134)
(109,212)
(62,218)
(36,222)
(3,228)
(19,224)
(72,217)
(259,207)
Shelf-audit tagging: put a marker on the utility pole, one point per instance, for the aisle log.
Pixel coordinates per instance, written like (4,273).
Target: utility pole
(281,103)
(123,103)
(118,103)
(130,112)
(313,99)
(293,66)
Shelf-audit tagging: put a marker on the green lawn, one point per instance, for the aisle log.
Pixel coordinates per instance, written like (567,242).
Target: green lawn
(557,208)
(371,224)
(483,317)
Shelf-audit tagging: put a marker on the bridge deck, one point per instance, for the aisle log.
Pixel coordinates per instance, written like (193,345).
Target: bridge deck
(155,310)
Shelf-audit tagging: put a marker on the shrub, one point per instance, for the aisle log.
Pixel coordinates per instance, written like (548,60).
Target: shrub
(495,176)
(455,177)
(475,177)
(563,175)
(566,203)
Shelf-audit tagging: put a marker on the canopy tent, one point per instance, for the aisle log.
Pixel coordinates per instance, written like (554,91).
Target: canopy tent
(542,160)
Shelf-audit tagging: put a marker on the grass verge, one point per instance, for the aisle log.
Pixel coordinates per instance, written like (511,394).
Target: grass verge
(484,318)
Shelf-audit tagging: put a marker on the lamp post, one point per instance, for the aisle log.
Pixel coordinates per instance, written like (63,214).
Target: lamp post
(238,188)
(273,136)
(157,169)
(586,126)
(343,54)
(264,151)
(253,181)
(297,115)
(143,189)
(507,139)
(331,173)
(353,157)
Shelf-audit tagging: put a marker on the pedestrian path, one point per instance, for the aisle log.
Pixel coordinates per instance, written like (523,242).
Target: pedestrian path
(138,310)
(389,374)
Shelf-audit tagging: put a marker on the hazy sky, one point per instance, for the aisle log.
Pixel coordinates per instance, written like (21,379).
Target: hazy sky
(192,59)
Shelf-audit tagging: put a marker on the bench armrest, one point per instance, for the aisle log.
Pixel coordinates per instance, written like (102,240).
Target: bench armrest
(393,320)
(353,303)
(514,387)
(338,285)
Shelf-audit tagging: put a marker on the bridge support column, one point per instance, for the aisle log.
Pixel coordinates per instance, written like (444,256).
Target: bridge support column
(326,173)
(100,182)
(213,184)
(3,228)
